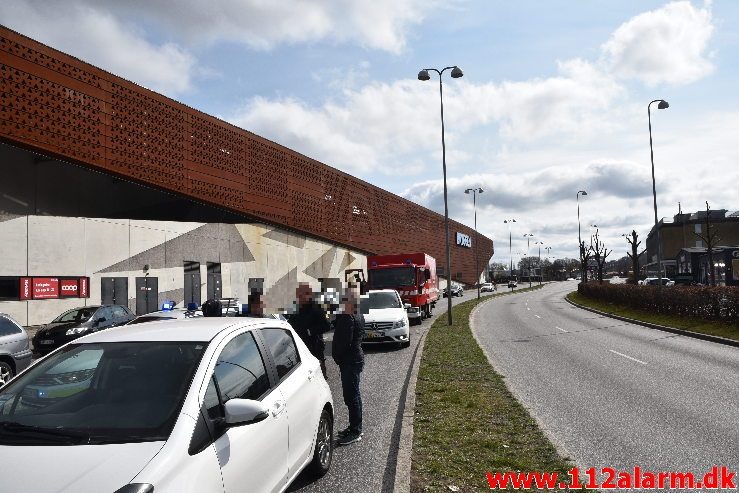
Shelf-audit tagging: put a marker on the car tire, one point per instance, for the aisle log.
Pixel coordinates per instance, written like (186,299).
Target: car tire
(6,372)
(323,452)
(405,344)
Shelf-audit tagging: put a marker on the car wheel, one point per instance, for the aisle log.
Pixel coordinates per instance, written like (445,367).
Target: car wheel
(6,372)
(324,450)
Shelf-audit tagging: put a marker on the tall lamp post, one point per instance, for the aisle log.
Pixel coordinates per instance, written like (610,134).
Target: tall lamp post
(579,237)
(528,248)
(549,251)
(662,104)
(423,75)
(510,248)
(540,243)
(474,192)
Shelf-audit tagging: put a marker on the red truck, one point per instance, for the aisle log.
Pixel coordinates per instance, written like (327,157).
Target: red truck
(413,275)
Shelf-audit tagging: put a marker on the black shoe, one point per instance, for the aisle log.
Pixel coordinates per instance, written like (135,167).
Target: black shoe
(349,438)
(343,433)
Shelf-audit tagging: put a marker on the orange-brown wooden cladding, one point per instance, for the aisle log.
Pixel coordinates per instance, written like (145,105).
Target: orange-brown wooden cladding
(58,105)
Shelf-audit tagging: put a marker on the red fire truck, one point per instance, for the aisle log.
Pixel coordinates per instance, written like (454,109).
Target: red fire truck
(413,275)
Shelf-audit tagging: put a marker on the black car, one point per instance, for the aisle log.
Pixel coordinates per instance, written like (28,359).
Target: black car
(78,322)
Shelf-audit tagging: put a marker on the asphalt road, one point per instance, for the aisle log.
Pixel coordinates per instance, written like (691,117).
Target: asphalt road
(610,393)
(369,465)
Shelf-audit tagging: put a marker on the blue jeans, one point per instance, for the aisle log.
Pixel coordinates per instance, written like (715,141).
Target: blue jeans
(350,376)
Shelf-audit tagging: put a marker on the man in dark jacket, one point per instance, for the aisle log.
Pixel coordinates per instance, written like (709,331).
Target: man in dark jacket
(346,351)
(310,323)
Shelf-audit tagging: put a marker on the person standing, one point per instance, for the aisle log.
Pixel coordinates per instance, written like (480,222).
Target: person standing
(310,322)
(346,351)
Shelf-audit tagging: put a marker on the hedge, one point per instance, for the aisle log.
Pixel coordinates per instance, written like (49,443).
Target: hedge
(713,303)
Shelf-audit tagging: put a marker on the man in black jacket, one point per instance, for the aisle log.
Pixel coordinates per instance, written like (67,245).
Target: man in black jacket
(310,322)
(347,353)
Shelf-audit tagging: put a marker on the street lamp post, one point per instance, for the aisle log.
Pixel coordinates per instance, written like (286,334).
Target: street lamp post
(474,192)
(510,248)
(579,237)
(540,243)
(549,251)
(662,104)
(423,75)
(528,248)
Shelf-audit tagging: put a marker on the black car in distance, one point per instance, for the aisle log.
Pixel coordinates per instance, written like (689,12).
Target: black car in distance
(78,322)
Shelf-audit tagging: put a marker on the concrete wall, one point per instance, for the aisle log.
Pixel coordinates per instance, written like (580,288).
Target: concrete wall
(97,247)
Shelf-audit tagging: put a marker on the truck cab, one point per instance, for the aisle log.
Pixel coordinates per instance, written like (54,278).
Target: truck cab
(412,275)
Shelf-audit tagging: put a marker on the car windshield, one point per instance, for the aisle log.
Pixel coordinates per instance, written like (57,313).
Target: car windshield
(392,277)
(383,300)
(76,315)
(99,393)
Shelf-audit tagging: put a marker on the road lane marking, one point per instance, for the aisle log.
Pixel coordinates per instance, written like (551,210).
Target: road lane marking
(627,357)
(559,328)
(537,316)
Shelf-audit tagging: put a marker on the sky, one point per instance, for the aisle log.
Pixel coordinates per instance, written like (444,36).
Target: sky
(553,98)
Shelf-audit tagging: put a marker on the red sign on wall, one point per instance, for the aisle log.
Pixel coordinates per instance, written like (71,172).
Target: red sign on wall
(69,288)
(25,291)
(45,288)
(84,287)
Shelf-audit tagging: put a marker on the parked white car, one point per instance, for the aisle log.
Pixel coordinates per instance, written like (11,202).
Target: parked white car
(654,281)
(203,405)
(487,287)
(387,318)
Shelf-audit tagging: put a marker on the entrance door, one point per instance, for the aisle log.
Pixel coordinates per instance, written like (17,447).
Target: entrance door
(114,291)
(192,283)
(214,281)
(147,295)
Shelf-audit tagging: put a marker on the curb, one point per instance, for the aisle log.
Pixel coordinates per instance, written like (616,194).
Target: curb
(405,445)
(686,333)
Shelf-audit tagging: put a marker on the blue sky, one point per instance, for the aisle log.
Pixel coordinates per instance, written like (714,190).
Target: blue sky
(553,99)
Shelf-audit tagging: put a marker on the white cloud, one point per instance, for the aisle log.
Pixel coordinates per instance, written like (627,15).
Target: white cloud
(664,45)
(99,38)
(264,24)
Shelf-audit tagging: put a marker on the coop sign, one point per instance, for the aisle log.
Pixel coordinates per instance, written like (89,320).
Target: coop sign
(464,240)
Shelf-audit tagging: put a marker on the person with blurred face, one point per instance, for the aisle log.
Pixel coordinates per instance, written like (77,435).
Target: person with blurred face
(310,322)
(346,351)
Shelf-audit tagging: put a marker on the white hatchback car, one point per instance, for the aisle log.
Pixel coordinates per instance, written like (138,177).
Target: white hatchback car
(203,405)
(387,318)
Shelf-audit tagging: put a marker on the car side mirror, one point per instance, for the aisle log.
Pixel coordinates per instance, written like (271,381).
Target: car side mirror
(406,305)
(245,412)
(100,320)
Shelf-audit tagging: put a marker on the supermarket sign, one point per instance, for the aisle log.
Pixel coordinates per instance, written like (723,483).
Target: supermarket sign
(47,288)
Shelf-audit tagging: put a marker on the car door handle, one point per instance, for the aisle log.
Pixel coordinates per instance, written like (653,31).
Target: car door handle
(277,408)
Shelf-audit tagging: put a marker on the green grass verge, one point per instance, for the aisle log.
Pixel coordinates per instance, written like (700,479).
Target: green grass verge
(466,420)
(703,326)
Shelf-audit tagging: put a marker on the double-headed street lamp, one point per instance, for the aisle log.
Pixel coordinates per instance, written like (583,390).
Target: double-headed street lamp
(661,106)
(510,247)
(423,75)
(528,237)
(474,192)
(579,237)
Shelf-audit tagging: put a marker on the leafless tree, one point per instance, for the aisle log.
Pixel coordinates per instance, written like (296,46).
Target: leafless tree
(599,253)
(710,238)
(635,254)
(585,256)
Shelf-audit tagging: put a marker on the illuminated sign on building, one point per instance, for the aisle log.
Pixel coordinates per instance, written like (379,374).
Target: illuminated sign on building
(464,240)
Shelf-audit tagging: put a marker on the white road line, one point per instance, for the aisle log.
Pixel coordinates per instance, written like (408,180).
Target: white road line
(537,316)
(559,328)
(627,357)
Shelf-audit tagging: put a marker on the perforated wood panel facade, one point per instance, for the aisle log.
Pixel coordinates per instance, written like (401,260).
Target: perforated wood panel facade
(58,105)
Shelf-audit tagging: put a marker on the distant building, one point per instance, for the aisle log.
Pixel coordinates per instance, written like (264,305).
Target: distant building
(693,265)
(680,233)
